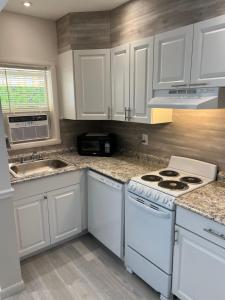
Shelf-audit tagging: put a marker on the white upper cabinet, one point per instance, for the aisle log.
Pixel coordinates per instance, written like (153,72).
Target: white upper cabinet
(92,83)
(208,62)
(172,58)
(141,70)
(66,85)
(120,82)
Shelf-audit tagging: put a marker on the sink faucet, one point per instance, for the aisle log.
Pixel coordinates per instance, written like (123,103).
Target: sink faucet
(34,155)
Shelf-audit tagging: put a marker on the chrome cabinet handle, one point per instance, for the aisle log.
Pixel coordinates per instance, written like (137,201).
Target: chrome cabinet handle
(178,85)
(198,84)
(125,113)
(176,236)
(109,113)
(129,110)
(218,235)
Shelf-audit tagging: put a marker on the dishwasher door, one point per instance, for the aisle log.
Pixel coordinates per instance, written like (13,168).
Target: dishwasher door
(106,211)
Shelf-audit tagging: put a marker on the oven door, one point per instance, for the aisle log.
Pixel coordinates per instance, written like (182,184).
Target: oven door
(150,231)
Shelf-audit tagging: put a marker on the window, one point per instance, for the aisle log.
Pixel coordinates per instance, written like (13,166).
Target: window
(27,91)
(23,90)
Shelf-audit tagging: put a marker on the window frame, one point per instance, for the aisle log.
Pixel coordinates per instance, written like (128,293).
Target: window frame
(53,108)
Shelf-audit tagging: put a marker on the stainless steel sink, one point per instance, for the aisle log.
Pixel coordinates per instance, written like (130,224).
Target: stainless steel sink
(36,167)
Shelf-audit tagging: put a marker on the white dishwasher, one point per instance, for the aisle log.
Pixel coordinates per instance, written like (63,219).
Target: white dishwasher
(106,211)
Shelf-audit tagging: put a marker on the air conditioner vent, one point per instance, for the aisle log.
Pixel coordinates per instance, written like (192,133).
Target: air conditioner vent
(24,128)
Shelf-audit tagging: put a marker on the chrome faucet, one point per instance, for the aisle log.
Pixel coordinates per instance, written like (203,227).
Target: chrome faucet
(34,155)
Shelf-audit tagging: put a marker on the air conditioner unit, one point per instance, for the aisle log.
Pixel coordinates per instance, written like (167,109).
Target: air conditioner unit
(28,127)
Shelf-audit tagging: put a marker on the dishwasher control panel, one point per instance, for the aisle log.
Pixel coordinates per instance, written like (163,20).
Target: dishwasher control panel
(104,179)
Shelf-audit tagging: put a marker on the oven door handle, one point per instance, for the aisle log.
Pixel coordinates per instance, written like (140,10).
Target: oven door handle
(149,209)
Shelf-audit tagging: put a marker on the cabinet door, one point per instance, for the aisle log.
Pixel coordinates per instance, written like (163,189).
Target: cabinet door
(120,81)
(141,69)
(208,63)
(64,213)
(172,58)
(92,83)
(66,85)
(199,268)
(32,226)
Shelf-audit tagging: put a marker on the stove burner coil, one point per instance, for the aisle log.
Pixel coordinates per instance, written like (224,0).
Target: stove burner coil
(173,185)
(152,178)
(169,173)
(191,179)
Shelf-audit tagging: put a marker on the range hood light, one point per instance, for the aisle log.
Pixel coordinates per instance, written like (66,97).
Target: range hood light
(27,4)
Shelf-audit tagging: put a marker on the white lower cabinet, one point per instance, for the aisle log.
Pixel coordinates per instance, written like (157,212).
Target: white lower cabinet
(199,265)
(64,213)
(51,217)
(32,226)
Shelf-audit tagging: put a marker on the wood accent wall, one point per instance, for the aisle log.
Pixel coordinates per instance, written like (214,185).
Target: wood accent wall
(87,30)
(63,34)
(198,134)
(138,19)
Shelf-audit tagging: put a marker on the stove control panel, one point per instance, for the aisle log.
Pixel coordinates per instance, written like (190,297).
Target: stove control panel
(151,194)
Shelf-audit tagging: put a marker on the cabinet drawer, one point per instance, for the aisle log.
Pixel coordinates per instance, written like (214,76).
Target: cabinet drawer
(202,226)
(46,184)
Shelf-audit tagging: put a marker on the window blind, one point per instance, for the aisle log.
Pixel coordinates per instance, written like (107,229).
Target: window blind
(23,89)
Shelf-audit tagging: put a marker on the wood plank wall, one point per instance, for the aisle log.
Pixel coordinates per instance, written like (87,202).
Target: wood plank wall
(88,30)
(197,134)
(142,18)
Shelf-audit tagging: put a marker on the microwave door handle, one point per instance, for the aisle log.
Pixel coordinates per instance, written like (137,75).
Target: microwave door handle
(149,209)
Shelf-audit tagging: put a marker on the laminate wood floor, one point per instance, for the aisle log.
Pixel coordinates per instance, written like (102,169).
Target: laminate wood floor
(80,269)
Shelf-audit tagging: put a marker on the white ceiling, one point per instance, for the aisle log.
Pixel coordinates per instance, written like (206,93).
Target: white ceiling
(55,9)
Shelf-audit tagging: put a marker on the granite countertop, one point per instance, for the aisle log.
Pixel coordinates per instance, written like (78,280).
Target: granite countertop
(208,201)
(120,167)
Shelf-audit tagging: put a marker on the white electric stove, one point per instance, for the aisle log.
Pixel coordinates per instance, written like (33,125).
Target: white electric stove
(150,218)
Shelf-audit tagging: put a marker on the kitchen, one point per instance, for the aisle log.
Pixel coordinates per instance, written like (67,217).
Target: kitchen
(151,74)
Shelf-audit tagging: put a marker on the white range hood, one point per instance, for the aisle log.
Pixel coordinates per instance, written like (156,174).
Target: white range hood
(190,98)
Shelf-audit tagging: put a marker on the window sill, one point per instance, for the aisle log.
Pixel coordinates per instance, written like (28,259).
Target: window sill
(45,143)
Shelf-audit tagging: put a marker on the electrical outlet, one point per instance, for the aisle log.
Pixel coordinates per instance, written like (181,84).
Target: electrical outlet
(144,139)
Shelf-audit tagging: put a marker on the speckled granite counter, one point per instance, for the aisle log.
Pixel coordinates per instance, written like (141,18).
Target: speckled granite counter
(121,168)
(208,201)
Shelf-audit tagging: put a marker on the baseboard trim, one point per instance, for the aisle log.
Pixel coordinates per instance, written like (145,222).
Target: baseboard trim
(11,290)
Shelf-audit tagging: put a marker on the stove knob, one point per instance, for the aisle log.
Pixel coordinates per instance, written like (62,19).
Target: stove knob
(132,187)
(140,190)
(143,192)
(165,201)
(148,194)
(156,197)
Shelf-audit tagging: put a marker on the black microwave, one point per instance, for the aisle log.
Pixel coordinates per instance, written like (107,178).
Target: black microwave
(98,144)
